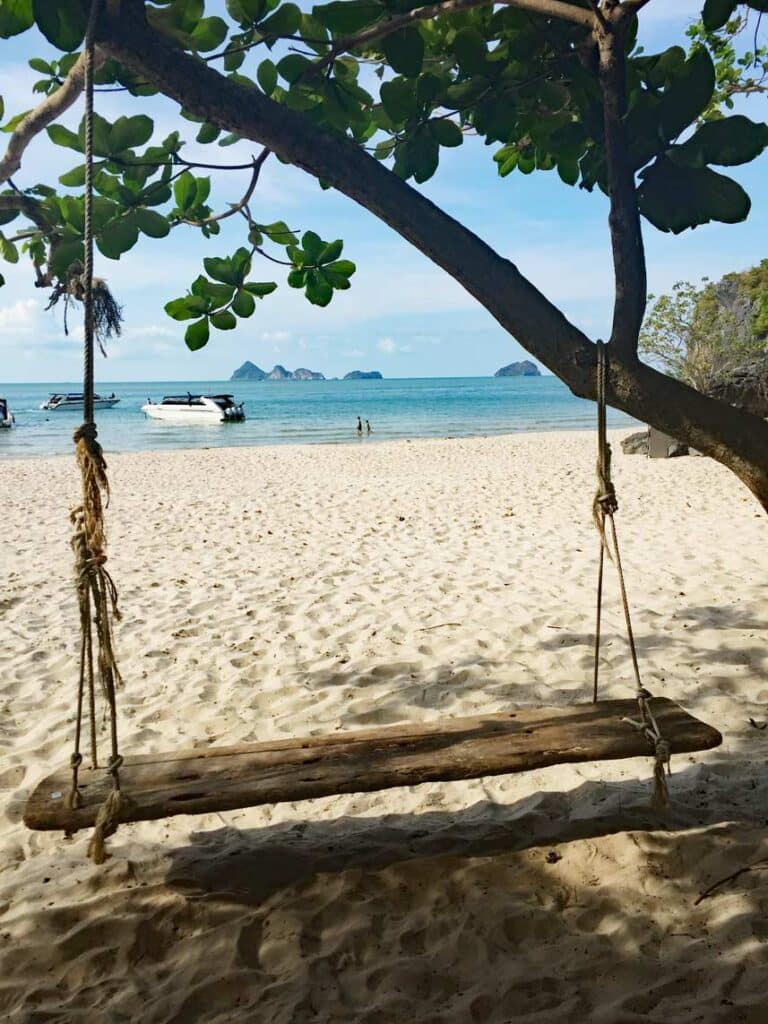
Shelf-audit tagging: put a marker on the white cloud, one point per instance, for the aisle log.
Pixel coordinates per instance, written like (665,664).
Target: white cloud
(20,318)
(150,331)
(275,335)
(386,345)
(354,353)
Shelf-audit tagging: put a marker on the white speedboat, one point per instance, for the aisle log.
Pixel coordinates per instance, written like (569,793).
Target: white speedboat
(7,419)
(195,409)
(75,401)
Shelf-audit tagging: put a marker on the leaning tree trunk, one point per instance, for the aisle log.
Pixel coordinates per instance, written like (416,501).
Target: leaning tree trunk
(733,437)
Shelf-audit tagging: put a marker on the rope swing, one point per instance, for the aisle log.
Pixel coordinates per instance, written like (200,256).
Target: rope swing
(604,508)
(96,591)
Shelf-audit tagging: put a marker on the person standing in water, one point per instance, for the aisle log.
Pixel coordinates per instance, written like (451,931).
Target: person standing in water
(359,427)
(367,426)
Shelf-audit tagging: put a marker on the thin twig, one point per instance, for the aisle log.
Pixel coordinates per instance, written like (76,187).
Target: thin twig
(439,625)
(710,890)
(258,163)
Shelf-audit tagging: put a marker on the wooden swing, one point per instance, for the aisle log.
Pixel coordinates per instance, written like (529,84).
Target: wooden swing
(225,778)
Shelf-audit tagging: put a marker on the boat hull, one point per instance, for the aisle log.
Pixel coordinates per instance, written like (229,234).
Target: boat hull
(99,403)
(187,415)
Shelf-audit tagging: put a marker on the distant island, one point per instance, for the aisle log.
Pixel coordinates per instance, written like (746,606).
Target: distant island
(250,371)
(525,368)
(363,375)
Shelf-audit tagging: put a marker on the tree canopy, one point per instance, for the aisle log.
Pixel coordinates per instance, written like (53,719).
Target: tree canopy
(365,96)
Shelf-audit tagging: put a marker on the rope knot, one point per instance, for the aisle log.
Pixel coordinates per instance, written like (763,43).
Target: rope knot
(75,759)
(663,754)
(85,432)
(115,764)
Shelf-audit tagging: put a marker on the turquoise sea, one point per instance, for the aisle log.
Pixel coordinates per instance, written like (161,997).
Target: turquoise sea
(315,412)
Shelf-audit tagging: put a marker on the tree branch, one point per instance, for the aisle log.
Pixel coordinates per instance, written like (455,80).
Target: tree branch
(36,120)
(547,8)
(624,218)
(258,163)
(737,439)
(26,205)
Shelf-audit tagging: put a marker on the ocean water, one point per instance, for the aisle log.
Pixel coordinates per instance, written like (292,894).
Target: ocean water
(315,412)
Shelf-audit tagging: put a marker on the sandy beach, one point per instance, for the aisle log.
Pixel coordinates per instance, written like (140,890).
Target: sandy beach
(288,591)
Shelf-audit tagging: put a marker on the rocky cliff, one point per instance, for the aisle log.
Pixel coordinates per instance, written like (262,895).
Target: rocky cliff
(525,368)
(303,374)
(363,375)
(248,371)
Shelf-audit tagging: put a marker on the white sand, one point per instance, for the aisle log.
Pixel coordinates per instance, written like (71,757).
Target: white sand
(284,591)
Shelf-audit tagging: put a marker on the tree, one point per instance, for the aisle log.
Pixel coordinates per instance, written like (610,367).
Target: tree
(552,84)
(704,336)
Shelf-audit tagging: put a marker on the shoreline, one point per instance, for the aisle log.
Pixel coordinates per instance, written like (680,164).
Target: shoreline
(356,443)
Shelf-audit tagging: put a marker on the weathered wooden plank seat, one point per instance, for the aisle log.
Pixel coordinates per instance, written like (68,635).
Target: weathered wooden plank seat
(226,778)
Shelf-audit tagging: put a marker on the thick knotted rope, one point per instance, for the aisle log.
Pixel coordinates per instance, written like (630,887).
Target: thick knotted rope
(604,507)
(96,591)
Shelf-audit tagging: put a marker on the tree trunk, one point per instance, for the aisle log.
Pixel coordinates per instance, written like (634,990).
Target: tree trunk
(735,438)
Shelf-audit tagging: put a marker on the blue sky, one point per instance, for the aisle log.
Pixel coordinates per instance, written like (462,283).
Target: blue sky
(402,315)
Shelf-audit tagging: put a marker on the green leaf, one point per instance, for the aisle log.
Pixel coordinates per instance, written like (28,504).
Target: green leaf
(118,237)
(284,22)
(101,132)
(313,245)
(179,309)
(716,13)
(297,278)
(14,122)
(39,65)
(208,34)
(218,294)
(221,270)
(73,212)
(331,252)
(293,67)
(15,17)
(349,15)
(446,132)
(398,98)
(260,288)
(130,132)
(675,198)
(208,133)
(151,223)
(318,290)
(404,49)
(688,95)
(568,169)
(471,51)
(344,267)
(418,156)
(8,250)
(728,141)
(243,303)
(64,255)
(224,321)
(197,334)
(63,22)
(267,76)
(185,191)
(62,136)
(73,178)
